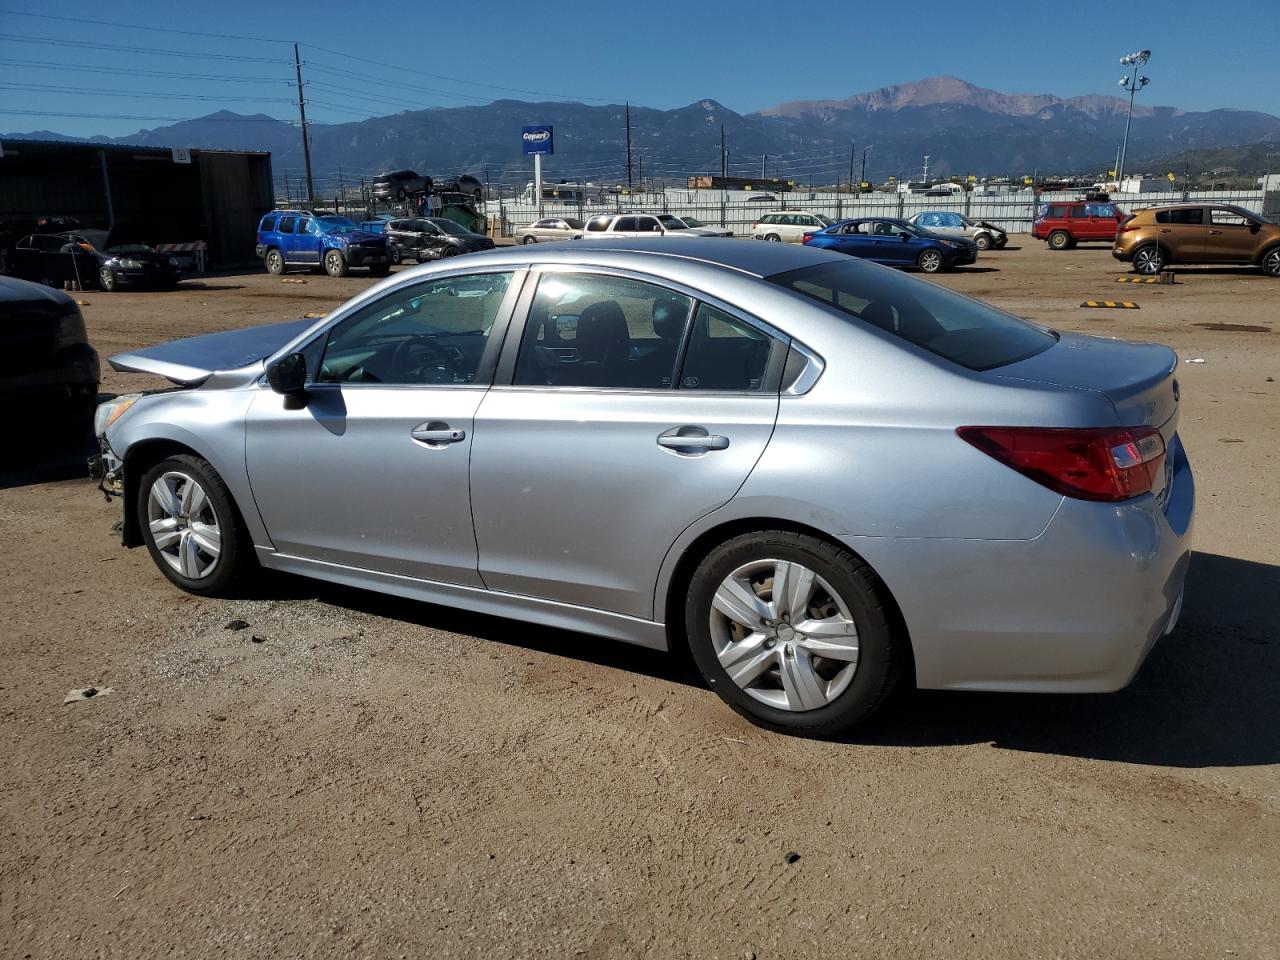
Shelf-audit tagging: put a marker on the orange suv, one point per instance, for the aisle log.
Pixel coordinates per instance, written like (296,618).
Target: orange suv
(1197,233)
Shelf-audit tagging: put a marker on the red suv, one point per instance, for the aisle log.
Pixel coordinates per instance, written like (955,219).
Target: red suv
(1065,223)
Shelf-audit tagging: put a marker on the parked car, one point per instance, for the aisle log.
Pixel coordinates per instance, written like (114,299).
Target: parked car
(47,368)
(550,228)
(431,238)
(948,223)
(464,184)
(399,185)
(1064,224)
(896,243)
(1198,233)
(300,238)
(820,475)
(646,225)
(55,259)
(788,226)
(694,226)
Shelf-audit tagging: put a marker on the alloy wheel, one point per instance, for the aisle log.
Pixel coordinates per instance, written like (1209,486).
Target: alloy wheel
(930,261)
(1271,263)
(183,525)
(1148,261)
(784,635)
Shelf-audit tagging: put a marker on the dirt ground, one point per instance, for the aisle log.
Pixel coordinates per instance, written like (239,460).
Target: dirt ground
(354,775)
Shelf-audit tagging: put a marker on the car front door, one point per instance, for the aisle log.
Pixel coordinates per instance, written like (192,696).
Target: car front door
(1230,237)
(893,244)
(593,453)
(305,243)
(371,471)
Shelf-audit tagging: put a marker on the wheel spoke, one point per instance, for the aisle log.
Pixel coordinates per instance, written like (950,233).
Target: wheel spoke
(207,537)
(737,601)
(835,639)
(792,588)
(745,660)
(164,532)
(188,555)
(163,494)
(801,683)
(193,498)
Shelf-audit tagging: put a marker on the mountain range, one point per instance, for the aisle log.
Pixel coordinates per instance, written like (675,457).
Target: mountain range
(964,128)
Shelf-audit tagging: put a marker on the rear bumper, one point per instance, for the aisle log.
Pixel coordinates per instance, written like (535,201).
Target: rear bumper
(1075,610)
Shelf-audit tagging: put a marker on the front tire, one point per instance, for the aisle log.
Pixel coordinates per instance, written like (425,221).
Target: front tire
(930,261)
(107,280)
(793,632)
(1271,262)
(1059,240)
(191,526)
(1148,260)
(335,264)
(983,241)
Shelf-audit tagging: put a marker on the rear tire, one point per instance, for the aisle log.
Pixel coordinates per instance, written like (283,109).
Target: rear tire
(1270,262)
(1060,240)
(335,264)
(782,683)
(275,263)
(773,238)
(1148,260)
(528,240)
(191,527)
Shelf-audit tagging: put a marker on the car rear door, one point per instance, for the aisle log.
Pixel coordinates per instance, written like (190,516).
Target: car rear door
(1182,231)
(370,471)
(592,454)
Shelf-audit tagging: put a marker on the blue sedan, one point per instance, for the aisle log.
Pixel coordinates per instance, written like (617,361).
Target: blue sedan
(896,243)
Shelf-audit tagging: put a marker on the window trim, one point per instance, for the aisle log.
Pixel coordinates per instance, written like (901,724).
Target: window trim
(311,343)
(504,375)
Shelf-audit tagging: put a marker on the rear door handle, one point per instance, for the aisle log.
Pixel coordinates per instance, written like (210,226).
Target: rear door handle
(1215,233)
(691,440)
(437,434)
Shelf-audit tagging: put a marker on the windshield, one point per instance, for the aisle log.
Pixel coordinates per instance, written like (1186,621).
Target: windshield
(825,221)
(692,222)
(673,223)
(449,226)
(954,327)
(129,248)
(573,224)
(328,226)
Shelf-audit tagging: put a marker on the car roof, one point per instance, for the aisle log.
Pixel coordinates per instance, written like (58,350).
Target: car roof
(743,256)
(13,291)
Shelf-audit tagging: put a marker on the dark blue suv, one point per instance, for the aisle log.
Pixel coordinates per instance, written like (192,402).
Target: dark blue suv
(895,242)
(299,237)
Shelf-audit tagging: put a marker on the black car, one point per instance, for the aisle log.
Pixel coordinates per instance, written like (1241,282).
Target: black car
(53,259)
(431,238)
(46,363)
(399,184)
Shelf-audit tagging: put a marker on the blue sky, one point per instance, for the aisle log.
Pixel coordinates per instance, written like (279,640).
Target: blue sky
(747,55)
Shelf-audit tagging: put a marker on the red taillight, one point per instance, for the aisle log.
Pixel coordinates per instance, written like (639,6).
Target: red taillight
(755,226)
(1126,228)
(1106,463)
(806,238)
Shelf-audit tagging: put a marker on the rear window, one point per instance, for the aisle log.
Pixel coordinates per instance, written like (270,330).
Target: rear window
(268,222)
(954,327)
(599,223)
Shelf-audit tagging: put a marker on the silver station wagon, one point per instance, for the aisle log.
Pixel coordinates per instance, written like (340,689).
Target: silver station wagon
(821,476)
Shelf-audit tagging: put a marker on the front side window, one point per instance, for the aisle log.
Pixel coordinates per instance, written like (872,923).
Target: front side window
(1226,217)
(930,220)
(952,326)
(586,330)
(432,333)
(724,353)
(1193,216)
(648,225)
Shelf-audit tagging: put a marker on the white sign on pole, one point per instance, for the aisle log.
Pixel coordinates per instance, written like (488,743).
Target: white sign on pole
(181,154)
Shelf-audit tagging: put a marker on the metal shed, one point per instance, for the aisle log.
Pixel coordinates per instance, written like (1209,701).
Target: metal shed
(153,195)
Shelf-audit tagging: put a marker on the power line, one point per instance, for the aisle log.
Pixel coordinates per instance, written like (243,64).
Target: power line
(88,44)
(131,72)
(138,26)
(144,94)
(381,82)
(124,116)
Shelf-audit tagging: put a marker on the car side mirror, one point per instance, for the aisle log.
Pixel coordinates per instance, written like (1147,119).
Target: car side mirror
(288,375)
(904,237)
(1254,227)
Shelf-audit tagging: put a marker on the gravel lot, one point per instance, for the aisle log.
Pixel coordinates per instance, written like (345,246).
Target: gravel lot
(353,775)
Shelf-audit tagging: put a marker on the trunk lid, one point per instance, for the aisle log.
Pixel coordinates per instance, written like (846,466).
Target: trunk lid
(1138,378)
(192,361)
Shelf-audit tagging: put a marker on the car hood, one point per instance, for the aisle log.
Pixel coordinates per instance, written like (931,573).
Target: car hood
(357,236)
(701,232)
(192,361)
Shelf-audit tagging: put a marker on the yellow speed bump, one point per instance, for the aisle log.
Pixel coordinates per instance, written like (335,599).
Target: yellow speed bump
(1111,304)
(1137,279)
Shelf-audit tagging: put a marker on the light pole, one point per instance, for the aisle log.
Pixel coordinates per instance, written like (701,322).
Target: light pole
(1133,83)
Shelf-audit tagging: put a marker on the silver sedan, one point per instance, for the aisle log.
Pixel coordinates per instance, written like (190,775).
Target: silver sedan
(820,476)
(549,228)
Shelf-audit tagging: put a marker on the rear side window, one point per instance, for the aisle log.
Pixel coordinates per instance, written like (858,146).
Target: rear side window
(724,353)
(626,223)
(1055,211)
(286,224)
(947,324)
(1192,215)
(1077,213)
(598,223)
(268,223)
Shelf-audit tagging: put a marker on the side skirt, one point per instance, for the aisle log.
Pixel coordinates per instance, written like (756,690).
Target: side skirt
(565,616)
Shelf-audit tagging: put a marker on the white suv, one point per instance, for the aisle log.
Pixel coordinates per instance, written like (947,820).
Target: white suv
(646,225)
(788,226)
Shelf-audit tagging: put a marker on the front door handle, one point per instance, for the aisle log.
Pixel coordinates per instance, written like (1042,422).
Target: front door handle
(1215,233)
(435,433)
(691,440)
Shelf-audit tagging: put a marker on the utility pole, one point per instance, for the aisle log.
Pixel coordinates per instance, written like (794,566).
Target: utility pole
(342,188)
(926,169)
(863,176)
(306,138)
(640,157)
(853,149)
(764,163)
(724,172)
(628,116)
